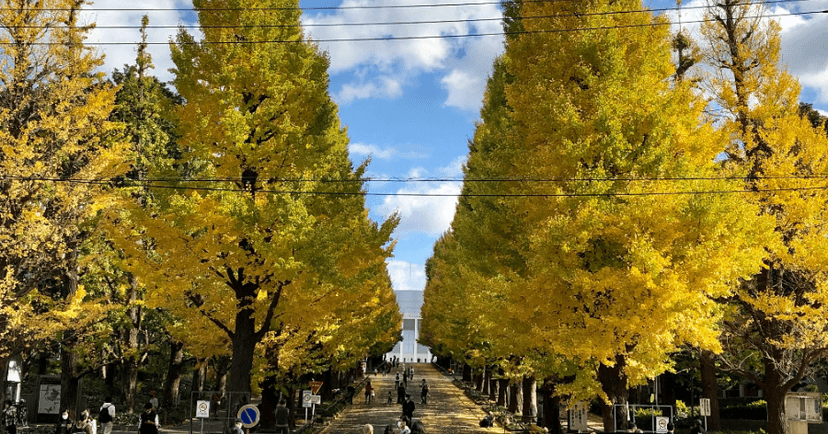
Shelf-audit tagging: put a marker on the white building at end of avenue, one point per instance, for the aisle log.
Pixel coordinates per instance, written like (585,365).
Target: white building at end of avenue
(409,351)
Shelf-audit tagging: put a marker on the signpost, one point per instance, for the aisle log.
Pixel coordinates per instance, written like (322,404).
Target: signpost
(310,399)
(704,410)
(202,412)
(315,386)
(306,402)
(249,415)
(661,424)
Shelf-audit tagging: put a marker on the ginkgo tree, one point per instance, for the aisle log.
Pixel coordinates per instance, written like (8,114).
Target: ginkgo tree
(55,137)
(267,223)
(775,327)
(623,235)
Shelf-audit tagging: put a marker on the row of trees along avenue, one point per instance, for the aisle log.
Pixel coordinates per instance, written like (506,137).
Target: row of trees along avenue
(631,193)
(221,221)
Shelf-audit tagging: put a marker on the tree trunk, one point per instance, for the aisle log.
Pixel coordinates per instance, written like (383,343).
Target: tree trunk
(775,398)
(487,375)
(478,380)
(551,405)
(515,397)
(4,374)
(614,384)
(173,381)
(244,343)
(69,380)
(775,386)
(709,388)
(130,385)
(199,375)
(502,391)
(530,397)
(467,373)
(668,390)
(132,359)
(291,405)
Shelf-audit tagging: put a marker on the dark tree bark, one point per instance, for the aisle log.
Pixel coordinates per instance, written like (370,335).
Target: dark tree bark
(173,381)
(709,388)
(515,397)
(467,373)
(502,391)
(614,384)
(199,375)
(551,404)
(487,375)
(530,397)
(131,363)
(478,380)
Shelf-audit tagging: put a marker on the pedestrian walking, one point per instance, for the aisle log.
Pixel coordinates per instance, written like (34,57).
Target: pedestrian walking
(106,415)
(10,417)
(424,392)
(282,418)
(367,429)
(390,397)
(369,392)
(400,394)
(148,420)
(411,374)
(408,408)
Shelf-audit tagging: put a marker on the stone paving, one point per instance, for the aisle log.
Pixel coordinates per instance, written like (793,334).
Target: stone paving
(449,410)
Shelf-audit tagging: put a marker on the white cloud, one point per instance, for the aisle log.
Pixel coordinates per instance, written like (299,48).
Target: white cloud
(110,29)
(463,62)
(455,168)
(426,207)
(406,276)
(379,87)
(407,151)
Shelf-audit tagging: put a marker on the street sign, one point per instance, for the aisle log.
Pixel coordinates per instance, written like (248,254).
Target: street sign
(661,424)
(249,415)
(306,398)
(316,399)
(315,386)
(704,407)
(202,409)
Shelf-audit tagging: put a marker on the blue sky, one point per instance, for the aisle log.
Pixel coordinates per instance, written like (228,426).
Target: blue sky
(411,105)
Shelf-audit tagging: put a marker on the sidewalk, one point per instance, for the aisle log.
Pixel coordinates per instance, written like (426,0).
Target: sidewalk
(448,411)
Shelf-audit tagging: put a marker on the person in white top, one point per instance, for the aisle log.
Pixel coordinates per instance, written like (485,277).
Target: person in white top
(107,415)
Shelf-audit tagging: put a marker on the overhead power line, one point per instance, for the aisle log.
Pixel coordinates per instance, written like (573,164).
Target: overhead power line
(421,22)
(422,37)
(432,180)
(438,195)
(334,8)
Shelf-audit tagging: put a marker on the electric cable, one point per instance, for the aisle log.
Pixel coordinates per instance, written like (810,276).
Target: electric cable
(426,37)
(393,23)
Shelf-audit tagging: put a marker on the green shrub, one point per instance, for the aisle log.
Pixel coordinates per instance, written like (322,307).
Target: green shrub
(756,410)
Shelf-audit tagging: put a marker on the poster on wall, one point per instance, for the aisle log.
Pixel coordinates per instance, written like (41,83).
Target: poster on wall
(49,402)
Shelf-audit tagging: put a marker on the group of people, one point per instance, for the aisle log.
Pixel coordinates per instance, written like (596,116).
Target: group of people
(85,423)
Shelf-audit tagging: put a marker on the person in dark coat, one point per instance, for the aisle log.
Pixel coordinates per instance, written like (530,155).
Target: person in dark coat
(282,418)
(400,394)
(408,408)
(148,421)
